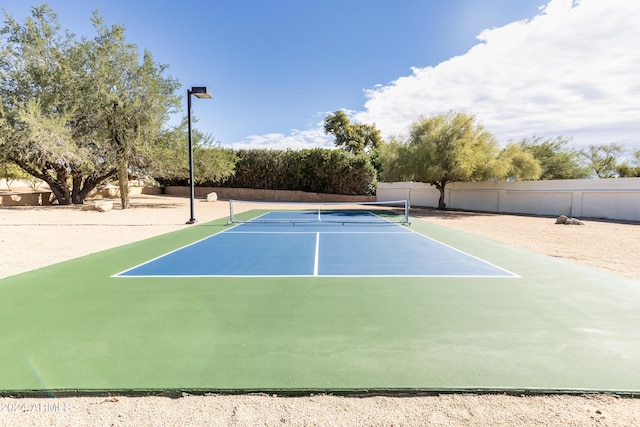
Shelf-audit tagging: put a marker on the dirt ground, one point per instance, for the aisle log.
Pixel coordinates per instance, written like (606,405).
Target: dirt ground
(33,237)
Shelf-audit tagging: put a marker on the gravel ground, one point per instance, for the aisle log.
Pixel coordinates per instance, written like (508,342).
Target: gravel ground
(33,237)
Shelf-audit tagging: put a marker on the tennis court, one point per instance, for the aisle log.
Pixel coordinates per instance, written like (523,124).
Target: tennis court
(303,304)
(313,243)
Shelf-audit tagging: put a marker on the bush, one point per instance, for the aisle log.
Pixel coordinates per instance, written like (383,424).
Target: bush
(316,170)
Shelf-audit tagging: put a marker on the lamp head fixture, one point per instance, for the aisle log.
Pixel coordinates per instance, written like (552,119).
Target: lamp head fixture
(200,92)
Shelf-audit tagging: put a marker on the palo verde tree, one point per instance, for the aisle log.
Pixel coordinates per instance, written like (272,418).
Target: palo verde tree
(518,164)
(453,147)
(602,160)
(630,170)
(557,159)
(78,113)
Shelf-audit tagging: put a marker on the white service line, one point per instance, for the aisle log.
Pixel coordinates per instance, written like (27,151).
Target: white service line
(315,262)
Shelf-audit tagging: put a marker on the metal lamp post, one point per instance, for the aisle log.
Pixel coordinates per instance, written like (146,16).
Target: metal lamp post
(198,92)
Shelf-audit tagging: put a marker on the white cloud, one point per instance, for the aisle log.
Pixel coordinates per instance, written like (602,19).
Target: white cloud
(296,139)
(572,70)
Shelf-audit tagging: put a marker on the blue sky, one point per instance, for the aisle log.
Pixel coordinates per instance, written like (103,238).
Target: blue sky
(277,67)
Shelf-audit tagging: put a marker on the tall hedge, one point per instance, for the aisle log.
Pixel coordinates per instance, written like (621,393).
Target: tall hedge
(317,170)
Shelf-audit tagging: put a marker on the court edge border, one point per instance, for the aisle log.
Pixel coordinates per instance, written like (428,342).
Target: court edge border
(302,392)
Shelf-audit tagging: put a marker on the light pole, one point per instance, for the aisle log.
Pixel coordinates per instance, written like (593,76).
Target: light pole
(198,92)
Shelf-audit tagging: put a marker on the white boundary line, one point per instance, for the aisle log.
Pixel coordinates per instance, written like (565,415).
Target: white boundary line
(232,225)
(275,276)
(316,256)
(469,255)
(169,253)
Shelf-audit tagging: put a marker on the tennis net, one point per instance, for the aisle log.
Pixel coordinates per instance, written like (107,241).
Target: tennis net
(332,212)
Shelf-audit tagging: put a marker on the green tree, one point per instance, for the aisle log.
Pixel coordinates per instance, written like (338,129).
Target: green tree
(34,111)
(518,163)
(450,147)
(557,159)
(630,170)
(168,159)
(78,113)
(602,160)
(132,98)
(12,172)
(453,147)
(395,165)
(355,138)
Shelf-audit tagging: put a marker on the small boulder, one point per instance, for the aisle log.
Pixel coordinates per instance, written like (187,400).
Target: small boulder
(574,221)
(212,197)
(563,219)
(99,206)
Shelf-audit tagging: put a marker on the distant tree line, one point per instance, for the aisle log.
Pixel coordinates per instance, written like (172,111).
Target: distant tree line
(439,149)
(78,114)
(454,147)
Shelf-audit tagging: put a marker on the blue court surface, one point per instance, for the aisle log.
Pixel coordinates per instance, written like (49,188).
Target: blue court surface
(300,244)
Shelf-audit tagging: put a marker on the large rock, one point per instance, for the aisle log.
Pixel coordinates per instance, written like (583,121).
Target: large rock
(563,219)
(212,197)
(98,205)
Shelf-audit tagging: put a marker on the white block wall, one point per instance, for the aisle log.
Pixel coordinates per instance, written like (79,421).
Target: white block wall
(617,199)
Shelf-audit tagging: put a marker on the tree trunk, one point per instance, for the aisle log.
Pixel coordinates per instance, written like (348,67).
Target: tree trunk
(76,184)
(440,186)
(122,161)
(61,192)
(58,186)
(57,177)
(123,182)
(92,182)
(57,182)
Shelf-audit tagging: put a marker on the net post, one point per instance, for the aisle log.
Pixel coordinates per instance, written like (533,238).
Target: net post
(407,208)
(231,216)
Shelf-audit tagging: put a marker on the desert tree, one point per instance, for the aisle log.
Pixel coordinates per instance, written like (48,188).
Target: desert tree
(453,147)
(356,138)
(11,173)
(518,164)
(602,159)
(132,97)
(77,113)
(557,158)
(631,169)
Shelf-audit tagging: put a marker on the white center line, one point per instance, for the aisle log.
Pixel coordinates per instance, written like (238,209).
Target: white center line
(315,262)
